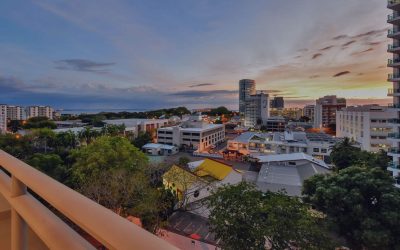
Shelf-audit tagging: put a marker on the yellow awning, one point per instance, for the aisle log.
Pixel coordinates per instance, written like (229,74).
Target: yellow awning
(215,169)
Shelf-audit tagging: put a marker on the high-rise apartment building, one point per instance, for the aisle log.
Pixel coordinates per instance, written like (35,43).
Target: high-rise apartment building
(15,113)
(277,102)
(256,110)
(325,110)
(3,118)
(39,111)
(308,111)
(247,87)
(394,63)
(368,125)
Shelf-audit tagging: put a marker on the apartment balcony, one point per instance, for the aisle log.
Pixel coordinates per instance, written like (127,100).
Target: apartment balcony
(25,223)
(393,92)
(392,165)
(394,152)
(393,77)
(394,63)
(393,18)
(394,121)
(393,4)
(394,136)
(394,106)
(393,33)
(393,48)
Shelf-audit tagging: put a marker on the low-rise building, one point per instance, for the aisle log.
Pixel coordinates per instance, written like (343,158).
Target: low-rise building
(275,124)
(139,125)
(159,149)
(325,110)
(287,172)
(308,111)
(199,179)
(369,125)
(318,145)
(193,133)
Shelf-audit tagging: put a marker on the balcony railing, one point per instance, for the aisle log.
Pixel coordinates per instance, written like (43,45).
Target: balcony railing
(393,165)
(393,91)
(394,106)
(394,135)
(392,16)
(393,31)
(393,46)
(393,76)
(394,150)
(394,121)
(391,2)
(393,61)
(111,230)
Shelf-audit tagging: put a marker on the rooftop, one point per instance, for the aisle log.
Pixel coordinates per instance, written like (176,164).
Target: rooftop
(133,122)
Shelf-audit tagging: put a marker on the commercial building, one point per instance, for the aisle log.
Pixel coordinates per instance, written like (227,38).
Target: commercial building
(256,110)
(325,110)
(308,111)
(277,103)
(287,113)
(39,111)
(394,62)
(247,87)
(15,113)
(136,126)
(368,125)
(192,134)
(3,118)
(275,124)
(318,145)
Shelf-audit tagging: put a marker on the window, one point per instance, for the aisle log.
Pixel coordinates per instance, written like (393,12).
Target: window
(196,193)
(316,150)
(292,163)
(324,150)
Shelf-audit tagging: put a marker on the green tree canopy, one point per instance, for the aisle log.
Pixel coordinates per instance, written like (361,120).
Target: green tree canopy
(39,122)
(245,218)
(360,203)
(142,139)
(50,164)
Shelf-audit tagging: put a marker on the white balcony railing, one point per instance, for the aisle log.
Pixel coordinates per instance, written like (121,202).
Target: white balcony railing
(111,230)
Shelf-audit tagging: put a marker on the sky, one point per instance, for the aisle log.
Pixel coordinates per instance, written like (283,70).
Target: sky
(107,54)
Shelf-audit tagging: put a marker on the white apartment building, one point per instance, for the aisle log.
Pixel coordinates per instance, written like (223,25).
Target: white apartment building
(369,125)
(39,111)
(15,113)
(256,110)
(394,63)
(325,110)
(3,118)
(194,133)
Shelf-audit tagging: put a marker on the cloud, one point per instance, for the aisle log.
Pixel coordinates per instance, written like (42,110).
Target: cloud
(374,43)
(204,93)
(341,73)
(83,65)
(314,76)
(362,52)
(201,85)
(327,48)
(315,56)
(371,33)
(348,43)
(340,37)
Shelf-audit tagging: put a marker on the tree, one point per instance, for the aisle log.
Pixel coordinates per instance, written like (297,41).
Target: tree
(245,218)
(50,164)
(183,161)
(359,203)
(16,145)
(42,139)
(142,139)
(344,154)
(39,122)
(111,171)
